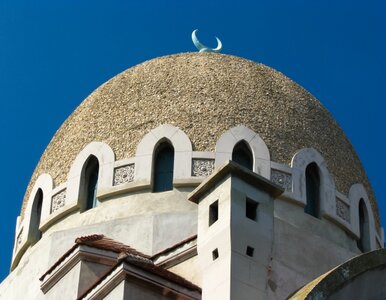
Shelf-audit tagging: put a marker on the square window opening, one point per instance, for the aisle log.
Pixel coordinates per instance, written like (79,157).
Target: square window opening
(250,251)
(251,209)
(215,254)
(213,212)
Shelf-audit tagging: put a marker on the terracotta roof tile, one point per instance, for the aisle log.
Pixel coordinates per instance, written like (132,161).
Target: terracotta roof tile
(152,268)
(175,246)
(58,262)
(99,241)
(128,255)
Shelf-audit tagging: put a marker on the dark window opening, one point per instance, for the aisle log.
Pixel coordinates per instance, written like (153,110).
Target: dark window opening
(251,209)
(242,155)
(213,212)
(364,240)
(215,254)
(37,214)
(91,182)
(163,168)
(312,190)
(250,251)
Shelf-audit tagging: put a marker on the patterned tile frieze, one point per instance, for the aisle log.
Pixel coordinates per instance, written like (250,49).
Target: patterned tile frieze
(282,179)
(124,174)
(202,167)
(58,200)
(342,210)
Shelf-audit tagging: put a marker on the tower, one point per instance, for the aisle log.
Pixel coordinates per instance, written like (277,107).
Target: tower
(235,233)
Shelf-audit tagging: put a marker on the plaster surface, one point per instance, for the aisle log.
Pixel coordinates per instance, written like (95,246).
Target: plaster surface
(149,222)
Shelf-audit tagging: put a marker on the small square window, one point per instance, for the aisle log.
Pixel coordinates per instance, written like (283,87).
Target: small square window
(215,254)
(249,251)
(213,212)
(251,209)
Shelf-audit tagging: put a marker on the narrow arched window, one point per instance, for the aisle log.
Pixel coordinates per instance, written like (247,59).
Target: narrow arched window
(163,168)
(242,155)
(364,240)
(91,182)
(312,190)
(36,215)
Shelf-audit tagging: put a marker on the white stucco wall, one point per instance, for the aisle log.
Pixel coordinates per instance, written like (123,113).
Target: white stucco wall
(148,222)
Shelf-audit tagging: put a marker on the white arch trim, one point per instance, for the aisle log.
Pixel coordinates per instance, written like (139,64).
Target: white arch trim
(355,194)
(299,163)
(106,158)
(45,183)
(182,152)
(260,152)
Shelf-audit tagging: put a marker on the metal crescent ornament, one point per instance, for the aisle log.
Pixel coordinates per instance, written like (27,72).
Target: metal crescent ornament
(203,48)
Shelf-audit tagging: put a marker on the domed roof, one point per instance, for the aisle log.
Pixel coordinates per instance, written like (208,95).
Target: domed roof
(204,94)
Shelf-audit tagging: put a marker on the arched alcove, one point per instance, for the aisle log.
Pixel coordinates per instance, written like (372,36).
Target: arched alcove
(244,141)
(89,184)
(163,167)
(362,218)
(86,159)
(363,242)
(149,145)
(36,215)
(242,155)
(312,190)
(310,169)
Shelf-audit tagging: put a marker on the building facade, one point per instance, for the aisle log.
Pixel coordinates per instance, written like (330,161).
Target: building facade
(193,176)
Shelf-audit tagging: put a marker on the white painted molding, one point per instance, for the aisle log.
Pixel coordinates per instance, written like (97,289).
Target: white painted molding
(18,225)
(45,184)
(299,163)
(281,167)
(82,253)
(380,237)
(203,155)
(27,228)
(146,149)
(106,159)
(58,215)
(58,189)
(260,152)
(124,162)
(18,231)
(356,193)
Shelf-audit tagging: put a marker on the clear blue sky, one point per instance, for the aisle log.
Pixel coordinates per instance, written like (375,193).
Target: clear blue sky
(54,53)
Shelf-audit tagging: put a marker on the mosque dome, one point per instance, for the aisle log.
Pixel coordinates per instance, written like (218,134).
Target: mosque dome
(204,94)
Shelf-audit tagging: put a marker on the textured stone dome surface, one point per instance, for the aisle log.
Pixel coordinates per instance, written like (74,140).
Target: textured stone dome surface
(204,94)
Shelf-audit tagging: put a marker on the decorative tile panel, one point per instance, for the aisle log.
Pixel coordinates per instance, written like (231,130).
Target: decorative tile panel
(58,200)
(282,179)
(124,174)
(342,210)
(202,167)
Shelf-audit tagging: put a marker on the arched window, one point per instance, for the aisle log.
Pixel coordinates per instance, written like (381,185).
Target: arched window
(364,241)
(90,182)
(36,215)
(312,190)
(242,155)
(163,168)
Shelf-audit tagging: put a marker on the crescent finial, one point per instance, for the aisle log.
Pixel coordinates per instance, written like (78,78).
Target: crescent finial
(203,48)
